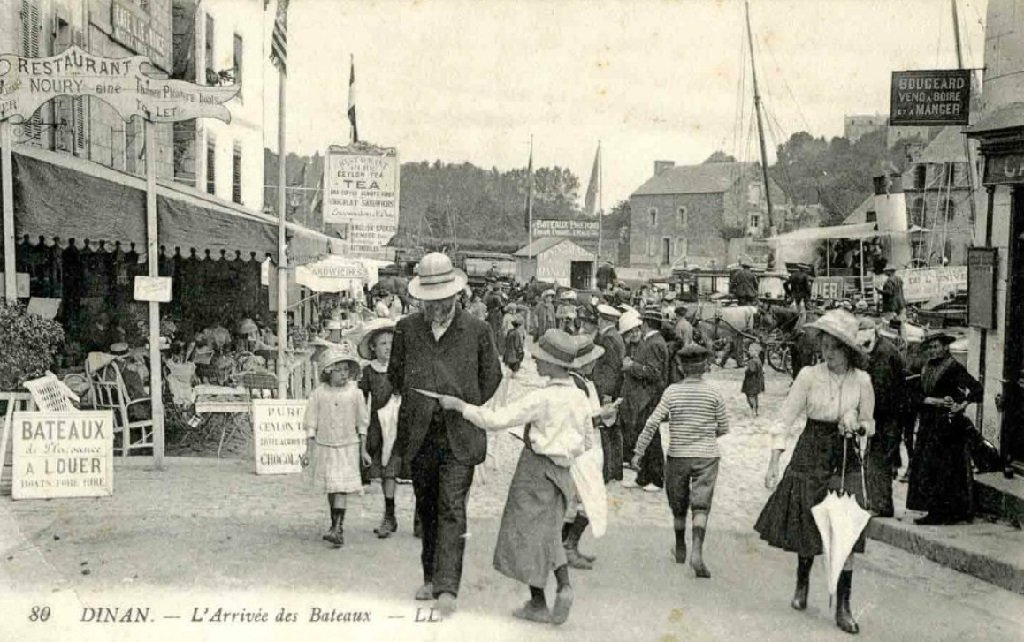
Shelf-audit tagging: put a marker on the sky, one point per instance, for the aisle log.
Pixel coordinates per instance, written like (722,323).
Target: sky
(472,81)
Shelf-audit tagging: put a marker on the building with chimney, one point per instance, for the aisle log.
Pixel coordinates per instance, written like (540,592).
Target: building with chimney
(687,214)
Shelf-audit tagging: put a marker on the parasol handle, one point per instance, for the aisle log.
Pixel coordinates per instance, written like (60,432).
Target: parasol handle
(842,471)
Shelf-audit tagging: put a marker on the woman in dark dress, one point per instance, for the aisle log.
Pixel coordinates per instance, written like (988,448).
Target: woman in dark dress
(839,401)
(376,347)
(941,478)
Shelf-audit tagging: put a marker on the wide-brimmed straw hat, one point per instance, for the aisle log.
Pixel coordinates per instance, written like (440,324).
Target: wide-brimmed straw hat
(371,330)
(652,313)
(563,349)
(840,324)
(339,354)
(608,312)
(436,278)
(938,335)
(629,320)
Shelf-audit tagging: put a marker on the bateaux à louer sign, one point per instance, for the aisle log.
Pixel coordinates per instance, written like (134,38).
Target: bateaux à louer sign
(27,83)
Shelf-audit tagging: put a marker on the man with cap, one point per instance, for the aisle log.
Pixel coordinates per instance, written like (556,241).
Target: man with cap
(441,349)
(893,301)
(607,378)
(743,284)
(889,380)
(644,379)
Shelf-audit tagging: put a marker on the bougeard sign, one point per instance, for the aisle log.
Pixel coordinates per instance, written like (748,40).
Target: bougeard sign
(63,454)
(932,97)
(361,196)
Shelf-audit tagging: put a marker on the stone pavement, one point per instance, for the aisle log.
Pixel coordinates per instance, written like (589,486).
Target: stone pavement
(208,533)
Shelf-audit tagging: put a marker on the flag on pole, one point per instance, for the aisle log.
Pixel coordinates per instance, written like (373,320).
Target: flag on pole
(528,214)
(279,38)
(352,100)
(593,189)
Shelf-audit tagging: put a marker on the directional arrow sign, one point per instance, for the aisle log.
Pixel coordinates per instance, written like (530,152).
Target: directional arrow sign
(122,83)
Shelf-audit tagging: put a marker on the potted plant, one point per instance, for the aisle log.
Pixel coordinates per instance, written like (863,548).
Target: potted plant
(28,345)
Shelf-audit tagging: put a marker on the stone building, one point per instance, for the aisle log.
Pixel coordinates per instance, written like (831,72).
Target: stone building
(690,212)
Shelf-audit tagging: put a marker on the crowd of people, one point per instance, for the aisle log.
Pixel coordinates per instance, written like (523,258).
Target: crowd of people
(613,376)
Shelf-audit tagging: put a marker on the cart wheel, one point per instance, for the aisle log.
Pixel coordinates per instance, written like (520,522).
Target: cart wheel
(780,359)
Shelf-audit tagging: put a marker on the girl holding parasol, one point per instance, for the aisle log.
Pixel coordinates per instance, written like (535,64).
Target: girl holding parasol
(837,397)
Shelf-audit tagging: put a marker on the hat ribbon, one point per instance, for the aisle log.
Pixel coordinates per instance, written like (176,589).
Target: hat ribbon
(437,279)
(562,355)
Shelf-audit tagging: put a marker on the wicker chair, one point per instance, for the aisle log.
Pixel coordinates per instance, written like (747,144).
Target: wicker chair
(50,394)
(110,393)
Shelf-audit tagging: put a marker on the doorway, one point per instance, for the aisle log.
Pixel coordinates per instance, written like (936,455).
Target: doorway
(1012,430)
(580,273)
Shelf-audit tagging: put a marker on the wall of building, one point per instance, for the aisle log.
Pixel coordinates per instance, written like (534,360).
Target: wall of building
(952,231)
(699,236)
(245,131)
(1004,53)
(856,126)
(555,265)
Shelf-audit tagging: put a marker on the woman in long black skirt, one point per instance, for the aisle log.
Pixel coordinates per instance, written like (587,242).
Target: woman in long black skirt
(837,397)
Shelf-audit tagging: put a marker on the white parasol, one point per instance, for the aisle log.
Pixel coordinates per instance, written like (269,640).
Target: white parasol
(840,521)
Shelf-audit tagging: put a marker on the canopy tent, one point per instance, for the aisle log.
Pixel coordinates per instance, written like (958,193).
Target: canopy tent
(852,231)
(97,204)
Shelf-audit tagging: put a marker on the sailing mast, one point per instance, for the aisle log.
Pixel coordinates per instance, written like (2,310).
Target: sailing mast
(760,125)
(971,182)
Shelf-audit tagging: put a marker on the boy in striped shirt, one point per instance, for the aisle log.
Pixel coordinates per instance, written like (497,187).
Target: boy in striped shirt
(696,415)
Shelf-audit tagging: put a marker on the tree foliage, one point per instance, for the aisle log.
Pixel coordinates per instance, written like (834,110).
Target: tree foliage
(835,173)
(474,207)
(28,345)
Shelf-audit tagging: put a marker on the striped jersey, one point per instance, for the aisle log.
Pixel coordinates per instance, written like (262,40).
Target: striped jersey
(696,417)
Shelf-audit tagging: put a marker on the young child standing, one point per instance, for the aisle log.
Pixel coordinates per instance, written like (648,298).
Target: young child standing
(696,416)
(336,421)
(375,347)
(753,377)
(556,416)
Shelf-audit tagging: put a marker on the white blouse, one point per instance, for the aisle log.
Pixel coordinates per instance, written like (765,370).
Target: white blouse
(823,395)
(559,414)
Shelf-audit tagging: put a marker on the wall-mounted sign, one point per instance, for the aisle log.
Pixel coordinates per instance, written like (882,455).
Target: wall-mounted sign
(63,454)
(924,284)
(134,28)
(153,288)
(1005,169)
(569,229)
(332,274)
(930,97)
(982,278)
(278,436)
(361,192)
(122,83)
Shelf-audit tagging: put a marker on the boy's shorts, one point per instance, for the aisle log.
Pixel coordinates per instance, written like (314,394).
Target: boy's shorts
(690,483)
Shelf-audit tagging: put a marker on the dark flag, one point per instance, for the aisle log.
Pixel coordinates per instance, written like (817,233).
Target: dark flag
(352,99)
(528,214)
(279,39)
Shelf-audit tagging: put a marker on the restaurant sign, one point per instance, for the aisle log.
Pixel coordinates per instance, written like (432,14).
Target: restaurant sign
(278,436)
(63,454)
(930,97)
(361,185)
(122,83)
(567,229)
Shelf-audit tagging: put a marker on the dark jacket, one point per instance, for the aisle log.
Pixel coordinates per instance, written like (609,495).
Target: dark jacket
(743,284)
(645,379)
(893,299)
(889,379)
(607,374)
(464,363)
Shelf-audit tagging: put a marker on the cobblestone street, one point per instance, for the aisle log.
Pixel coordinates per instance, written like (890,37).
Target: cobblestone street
(207,533)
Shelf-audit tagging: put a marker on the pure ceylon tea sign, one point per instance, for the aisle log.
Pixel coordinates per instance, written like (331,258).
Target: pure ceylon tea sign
(361,196)
(278,435)
(63,454)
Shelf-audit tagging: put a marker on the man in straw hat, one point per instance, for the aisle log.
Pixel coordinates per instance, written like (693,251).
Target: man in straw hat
(441,349)
(557,417)
(645,375)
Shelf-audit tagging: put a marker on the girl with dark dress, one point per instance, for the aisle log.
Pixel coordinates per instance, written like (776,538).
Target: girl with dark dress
(839,401)
(941,478)
(375,346)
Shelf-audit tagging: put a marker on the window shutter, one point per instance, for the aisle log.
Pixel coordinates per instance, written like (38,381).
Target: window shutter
(211,166)
(236,174)
(31,26)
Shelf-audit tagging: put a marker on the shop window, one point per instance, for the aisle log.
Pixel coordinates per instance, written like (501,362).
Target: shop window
(949,209)
(920,176)
(754,194)
(919,211)
(754,221)
(236,174)
(652,215)
(211,166)
(681,247)
(666,251)
(682,216)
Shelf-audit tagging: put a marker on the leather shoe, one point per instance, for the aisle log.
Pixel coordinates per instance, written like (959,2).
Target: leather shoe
(533,613)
